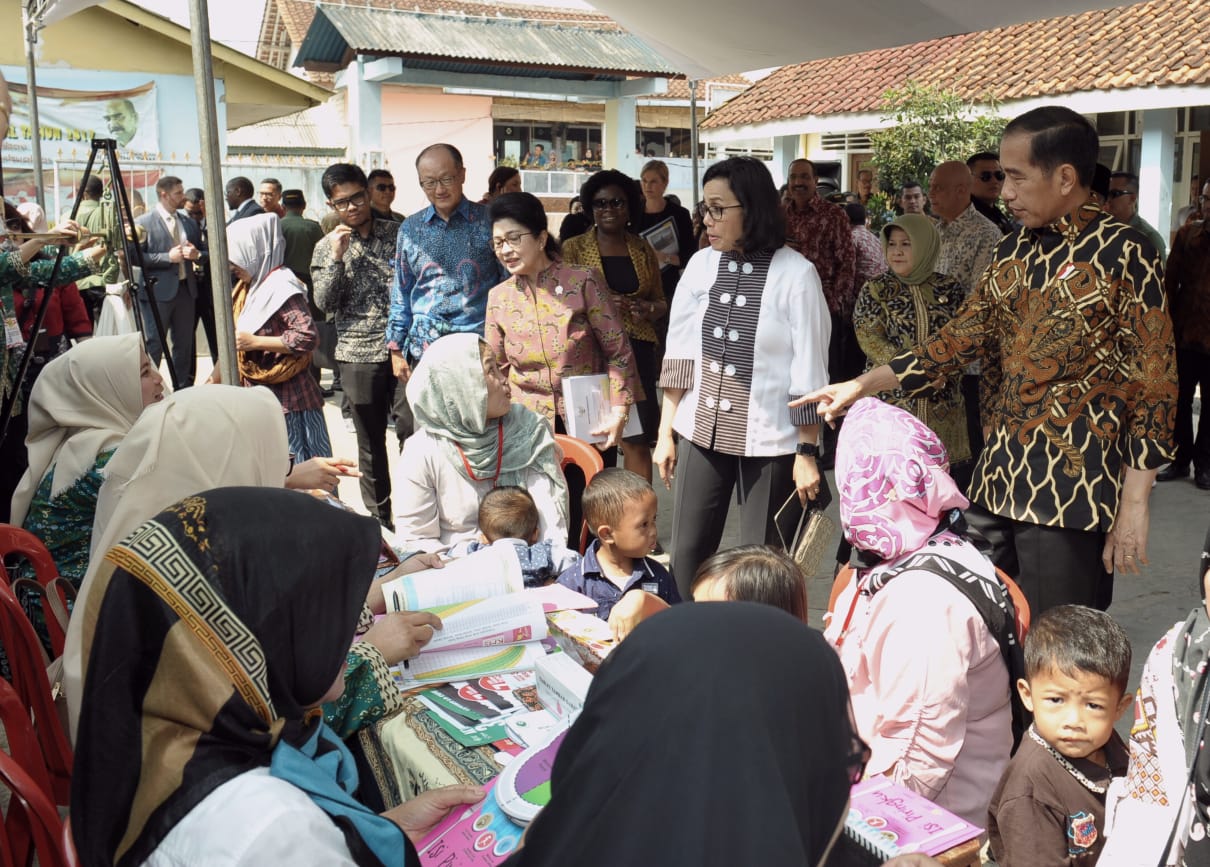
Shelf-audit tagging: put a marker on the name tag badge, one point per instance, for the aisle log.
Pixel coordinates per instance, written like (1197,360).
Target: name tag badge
(652,587)
(12,333)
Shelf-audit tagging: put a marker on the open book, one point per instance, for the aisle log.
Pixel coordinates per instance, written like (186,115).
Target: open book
(490,623)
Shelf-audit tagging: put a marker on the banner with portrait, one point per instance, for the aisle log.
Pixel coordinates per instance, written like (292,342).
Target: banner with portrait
(71,119)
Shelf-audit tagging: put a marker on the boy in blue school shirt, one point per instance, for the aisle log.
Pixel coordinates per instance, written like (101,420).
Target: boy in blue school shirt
(620,508)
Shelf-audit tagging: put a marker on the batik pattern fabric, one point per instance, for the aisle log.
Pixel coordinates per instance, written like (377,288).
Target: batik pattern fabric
(370,692)
(64,522)
(1082,369)
(822,232)
(870,262)
(564,323)
(585,252)
(356,291)
(1187,280)
(444,270)
(891,316)
(968,245)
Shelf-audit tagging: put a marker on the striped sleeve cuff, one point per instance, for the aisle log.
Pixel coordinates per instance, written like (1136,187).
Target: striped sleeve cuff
(806,414)
(676,373)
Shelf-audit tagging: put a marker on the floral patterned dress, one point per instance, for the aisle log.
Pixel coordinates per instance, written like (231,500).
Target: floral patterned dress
(891,316)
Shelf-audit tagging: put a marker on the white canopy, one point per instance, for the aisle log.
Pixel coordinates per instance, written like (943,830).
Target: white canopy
(707,38)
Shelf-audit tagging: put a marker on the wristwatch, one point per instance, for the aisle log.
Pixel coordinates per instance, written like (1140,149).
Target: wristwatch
(810,450)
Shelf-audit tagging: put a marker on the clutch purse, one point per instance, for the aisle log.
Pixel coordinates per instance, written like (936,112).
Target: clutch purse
(807,533)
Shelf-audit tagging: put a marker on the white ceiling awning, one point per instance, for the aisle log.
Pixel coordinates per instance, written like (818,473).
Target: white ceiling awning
(708,38)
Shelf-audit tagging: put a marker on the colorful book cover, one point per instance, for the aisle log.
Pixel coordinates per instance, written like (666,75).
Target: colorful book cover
(890,820)
(480,836)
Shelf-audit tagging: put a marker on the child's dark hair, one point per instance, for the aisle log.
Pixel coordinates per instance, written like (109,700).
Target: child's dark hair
(1075,639)
(609,493)
(758,573)
(508,512)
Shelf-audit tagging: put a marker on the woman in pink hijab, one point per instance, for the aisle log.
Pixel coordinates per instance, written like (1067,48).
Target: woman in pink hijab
(925,630)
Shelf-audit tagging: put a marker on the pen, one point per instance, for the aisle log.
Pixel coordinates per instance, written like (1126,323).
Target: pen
(395,597)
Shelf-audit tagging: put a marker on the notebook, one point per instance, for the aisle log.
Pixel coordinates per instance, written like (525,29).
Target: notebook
(887,820)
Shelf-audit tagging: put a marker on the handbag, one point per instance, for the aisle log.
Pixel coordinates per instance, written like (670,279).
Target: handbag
(807,533)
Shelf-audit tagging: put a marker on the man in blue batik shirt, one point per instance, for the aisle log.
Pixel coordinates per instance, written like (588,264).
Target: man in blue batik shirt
(444,263)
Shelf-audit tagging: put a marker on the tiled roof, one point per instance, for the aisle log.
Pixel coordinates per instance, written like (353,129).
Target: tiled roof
(1159,43)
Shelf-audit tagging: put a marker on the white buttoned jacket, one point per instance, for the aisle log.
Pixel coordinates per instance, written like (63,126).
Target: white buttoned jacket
(746,336)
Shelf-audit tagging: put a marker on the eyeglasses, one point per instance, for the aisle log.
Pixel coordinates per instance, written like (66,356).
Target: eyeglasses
(356,200)
(603,204)
(987,176)
(717,212)
(385,188)
(512,238)
(430,185)
(1117,194)
(859,757)
(291,469)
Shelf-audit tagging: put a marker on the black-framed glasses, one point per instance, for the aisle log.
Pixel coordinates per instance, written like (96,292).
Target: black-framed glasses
(385,188)
(512,238)
(604,204)
(987,176)
(859,757)
(717,212)
(1117,194)
(430,185)
(357,200)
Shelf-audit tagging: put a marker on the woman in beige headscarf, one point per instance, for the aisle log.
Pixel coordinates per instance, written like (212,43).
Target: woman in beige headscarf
(81,407)
(224,436)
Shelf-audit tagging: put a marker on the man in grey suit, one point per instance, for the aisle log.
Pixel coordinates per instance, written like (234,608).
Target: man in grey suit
(172,245)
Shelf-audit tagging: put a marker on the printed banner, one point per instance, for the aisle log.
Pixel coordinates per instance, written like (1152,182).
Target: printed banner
(76,117)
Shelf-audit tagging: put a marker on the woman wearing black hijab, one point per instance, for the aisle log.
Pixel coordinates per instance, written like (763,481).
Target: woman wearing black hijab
(741,752)
(223,624)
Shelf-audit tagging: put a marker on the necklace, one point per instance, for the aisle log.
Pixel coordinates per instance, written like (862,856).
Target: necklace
(499,457)
(1098,788)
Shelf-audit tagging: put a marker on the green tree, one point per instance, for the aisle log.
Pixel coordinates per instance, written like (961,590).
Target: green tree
(931,125)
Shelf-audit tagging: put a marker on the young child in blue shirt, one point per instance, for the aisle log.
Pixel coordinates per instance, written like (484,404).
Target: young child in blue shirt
(620,508)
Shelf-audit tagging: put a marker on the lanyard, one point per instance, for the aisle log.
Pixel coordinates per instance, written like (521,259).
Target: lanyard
(499,456)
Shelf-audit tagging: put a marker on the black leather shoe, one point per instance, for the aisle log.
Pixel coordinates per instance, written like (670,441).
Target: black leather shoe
(1202,479)
(1173,471)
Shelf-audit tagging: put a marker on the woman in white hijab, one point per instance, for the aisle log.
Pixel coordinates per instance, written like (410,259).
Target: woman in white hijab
(274,331)
(212,437)
(81,407)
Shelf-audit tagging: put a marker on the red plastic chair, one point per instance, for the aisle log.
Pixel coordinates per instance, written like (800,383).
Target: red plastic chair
(68,844)
(22,742)
(15,540)
(585,456)
(26,659)
(31,819)
(1020,605)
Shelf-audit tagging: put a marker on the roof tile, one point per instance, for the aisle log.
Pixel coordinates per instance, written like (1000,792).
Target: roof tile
(1157,43)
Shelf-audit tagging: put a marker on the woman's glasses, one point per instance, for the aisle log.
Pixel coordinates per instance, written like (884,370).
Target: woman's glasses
(717,212)
(604,204)
(511,238)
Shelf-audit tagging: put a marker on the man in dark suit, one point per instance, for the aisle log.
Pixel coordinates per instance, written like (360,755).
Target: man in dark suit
(195,207)
(172,244)
(240,201)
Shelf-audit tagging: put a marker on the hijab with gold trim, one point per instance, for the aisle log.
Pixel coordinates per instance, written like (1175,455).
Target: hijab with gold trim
(222,620)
